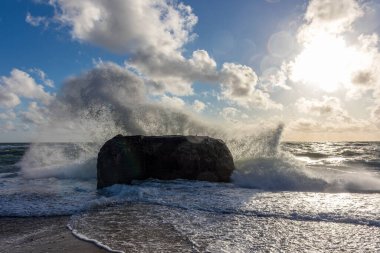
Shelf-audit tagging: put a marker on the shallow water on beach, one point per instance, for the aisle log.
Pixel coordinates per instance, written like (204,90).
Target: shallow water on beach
(140,227)
(310,197)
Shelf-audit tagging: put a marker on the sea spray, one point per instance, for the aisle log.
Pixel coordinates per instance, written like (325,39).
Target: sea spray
(262,164)
(109,100)
(63,160)
(260,161)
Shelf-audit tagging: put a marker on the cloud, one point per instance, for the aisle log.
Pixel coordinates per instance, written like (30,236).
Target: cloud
(8,99)
(9,115)
(333,52)
(174,102)
(375,114)
(198,106)
(239,87)
(35,20)
(330,16)
(232,114)
(309,125)
(327,106)
(341,62)
(238,80)
(43,77)
(7,126)
(178,104)
(275,77)
(175,74)
(127,25)
(327,115)
(35,115)
(154,34)
(21,85)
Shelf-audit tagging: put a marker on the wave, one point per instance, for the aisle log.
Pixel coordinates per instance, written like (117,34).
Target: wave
(285,173)
(49,197)
(276,174)
(312,154)
(228,199)
(83,237)
(260,163)
(274,169)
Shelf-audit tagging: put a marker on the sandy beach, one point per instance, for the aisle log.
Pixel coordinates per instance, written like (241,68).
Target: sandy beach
(41,234)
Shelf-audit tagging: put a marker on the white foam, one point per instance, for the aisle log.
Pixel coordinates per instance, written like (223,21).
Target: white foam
(87,239)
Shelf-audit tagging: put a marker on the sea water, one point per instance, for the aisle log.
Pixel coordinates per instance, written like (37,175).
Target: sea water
(289,197)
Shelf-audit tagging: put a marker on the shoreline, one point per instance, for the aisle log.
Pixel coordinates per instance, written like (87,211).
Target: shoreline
(41,234)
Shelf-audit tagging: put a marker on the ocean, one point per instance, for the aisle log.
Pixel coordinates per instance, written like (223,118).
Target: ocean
(288,197)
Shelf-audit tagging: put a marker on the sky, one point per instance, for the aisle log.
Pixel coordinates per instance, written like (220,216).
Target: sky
(71,68)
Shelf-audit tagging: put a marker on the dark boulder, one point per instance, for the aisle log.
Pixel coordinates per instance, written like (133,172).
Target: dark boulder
(126,158)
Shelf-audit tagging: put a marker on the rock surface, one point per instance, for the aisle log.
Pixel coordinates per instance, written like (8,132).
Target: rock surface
(126,158)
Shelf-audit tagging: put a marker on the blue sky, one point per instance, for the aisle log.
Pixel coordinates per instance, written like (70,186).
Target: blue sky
(312,65)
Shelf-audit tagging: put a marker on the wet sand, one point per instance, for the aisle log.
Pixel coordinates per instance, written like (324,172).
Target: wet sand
(41,234)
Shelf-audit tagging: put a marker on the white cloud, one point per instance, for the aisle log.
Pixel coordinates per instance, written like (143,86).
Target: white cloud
(340,62)
(275,77)
(334,54)
(375,114)
(328,115)
(232,114)
(154,33)
(309,125)
(9,115)
(8,99)
(198,106)
(329,62)
(7,126)
(329,16)
(175,74)
(203,63)
(327,106)
(35,115)
(128,25)
(174,102)
(239,87)
(43,77)
(35,21)
(21,85)
(237,80)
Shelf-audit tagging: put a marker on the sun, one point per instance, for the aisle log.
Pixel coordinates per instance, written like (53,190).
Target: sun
(327,62)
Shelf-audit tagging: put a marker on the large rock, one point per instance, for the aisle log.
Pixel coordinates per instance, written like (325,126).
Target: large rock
(126,158)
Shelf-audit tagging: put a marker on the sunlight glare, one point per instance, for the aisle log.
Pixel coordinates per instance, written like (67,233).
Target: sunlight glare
(327,62)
